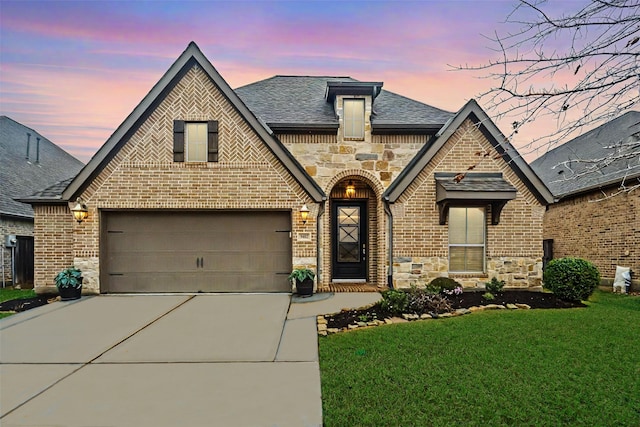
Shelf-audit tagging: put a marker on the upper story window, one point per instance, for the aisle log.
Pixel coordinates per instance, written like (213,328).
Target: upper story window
(195,141)
(353,121)
(195,146)
(466,239)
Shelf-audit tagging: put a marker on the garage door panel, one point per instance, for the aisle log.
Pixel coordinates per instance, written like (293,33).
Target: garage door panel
(197,251)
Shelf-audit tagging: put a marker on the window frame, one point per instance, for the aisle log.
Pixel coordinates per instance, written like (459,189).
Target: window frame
(187,144)
(349,122)
(482,245)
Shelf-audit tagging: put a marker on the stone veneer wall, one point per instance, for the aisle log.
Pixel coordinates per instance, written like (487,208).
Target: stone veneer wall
(53,241)
(513,247)
(19,227)
(604,230)
(143,175)
(374,161)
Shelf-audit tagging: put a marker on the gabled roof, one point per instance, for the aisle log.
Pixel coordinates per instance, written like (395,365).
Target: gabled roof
(584,163)
(287,103)
(192,55)
(21,176)
(472,111)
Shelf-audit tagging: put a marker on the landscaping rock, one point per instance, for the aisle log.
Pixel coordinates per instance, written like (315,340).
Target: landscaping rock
(323,333)
(443,315)
(322,327)
(463,311)
(353,326)
(388,321)
(333,330)
(425,316)
(512,307)
(398,320)
(322,320)
(523,306)
(362,324)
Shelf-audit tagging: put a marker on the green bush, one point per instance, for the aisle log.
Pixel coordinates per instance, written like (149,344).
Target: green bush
(443,283)
(394,301)
(495,285)
(571,279)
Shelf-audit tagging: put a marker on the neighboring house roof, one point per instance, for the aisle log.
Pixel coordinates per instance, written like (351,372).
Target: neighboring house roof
(472,111)
(585,163)
(289,102)
(21,176)
(192,55)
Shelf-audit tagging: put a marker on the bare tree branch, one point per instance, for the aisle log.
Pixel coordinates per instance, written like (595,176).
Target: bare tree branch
(581,69)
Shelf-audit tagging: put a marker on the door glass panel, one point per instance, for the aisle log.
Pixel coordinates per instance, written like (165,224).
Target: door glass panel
(348,234)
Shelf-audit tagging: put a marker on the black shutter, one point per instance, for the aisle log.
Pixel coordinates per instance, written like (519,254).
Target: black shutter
(178,140)
(212,141)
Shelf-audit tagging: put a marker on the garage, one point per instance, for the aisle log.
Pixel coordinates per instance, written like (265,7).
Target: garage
(213,251)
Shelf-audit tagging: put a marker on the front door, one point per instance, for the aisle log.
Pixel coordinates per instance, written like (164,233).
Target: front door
(349,236)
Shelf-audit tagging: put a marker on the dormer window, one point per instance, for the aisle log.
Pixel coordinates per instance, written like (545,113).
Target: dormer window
(353,111)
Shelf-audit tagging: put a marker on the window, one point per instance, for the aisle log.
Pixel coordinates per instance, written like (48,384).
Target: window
(353,118)
(195,141)
(466,239)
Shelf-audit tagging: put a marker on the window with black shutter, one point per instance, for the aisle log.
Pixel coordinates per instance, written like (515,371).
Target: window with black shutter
(195,141)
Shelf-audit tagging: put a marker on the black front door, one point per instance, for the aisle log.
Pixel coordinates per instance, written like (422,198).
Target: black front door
(349,237)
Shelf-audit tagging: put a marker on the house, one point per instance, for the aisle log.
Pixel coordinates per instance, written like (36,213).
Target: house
(206,188)
(30,162)
(595,178)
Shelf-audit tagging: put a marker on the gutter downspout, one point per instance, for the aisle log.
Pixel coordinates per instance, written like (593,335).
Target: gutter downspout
(318,260)
(387,210)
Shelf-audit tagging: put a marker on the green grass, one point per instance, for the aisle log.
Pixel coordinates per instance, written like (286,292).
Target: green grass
(522,368)
(7,294)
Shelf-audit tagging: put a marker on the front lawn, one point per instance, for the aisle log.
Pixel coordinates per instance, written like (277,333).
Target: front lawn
(577,366)
(7,294)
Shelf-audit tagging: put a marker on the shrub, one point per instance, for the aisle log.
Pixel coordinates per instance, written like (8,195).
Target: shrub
(423,301)
(443,283)
(394,301)
(495,285)
(571,279)
(488,296)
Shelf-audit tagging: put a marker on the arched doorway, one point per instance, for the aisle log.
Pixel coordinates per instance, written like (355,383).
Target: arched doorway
(353,231)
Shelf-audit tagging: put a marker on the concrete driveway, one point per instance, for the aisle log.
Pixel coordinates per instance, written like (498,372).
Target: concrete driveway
(166,360)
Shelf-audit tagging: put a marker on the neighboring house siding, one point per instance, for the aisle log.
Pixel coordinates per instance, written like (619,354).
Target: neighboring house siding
(18,227)
(513,247)
(603,230)
(143,174)
(54,242)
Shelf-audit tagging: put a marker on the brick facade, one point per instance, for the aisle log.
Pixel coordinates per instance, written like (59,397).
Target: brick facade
(143,175)
(513,247)
(248,176)
(604,230)
(53,235)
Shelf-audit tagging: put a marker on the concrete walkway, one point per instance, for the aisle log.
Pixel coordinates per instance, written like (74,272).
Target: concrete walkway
(166,360)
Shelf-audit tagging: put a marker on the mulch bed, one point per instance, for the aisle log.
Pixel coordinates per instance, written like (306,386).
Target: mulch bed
(533,299)
(25,303)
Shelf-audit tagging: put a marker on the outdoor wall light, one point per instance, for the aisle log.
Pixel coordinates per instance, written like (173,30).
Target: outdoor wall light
(351,190)
(80,211)
(304,213)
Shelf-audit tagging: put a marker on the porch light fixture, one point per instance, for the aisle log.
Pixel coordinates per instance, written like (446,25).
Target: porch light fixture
(304,213)
(80,211)
(351,190)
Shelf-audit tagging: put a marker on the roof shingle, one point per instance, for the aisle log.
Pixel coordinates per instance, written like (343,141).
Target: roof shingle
(19,176)
(585,162)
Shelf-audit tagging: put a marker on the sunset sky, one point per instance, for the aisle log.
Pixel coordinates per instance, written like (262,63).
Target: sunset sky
(73,70)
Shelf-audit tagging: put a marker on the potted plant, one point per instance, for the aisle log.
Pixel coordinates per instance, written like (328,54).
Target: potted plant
(69,283)
(304,281)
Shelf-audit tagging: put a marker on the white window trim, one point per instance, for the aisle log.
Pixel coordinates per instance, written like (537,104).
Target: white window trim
(470,245)
(344,119)
(186,142)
